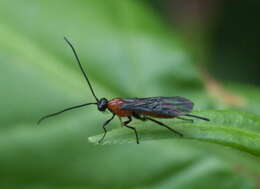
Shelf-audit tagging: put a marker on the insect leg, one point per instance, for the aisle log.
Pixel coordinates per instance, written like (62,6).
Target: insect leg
(162,124)
(185,119)
(137,116)
(104,127)
(198,117)
(120,119)
(130,127)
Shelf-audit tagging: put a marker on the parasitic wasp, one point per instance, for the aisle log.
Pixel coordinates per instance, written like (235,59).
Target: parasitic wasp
(139,108)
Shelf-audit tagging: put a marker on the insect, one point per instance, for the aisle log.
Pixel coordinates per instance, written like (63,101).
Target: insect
(138,108)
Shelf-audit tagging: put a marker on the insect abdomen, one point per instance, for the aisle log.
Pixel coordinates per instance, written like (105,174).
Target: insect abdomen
(114,106)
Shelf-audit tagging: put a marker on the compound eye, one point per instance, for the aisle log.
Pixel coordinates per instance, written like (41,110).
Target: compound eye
(102,106)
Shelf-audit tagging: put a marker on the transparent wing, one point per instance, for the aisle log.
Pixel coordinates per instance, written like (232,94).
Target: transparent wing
(168,106)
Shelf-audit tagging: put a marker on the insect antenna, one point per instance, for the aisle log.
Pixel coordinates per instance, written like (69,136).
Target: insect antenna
(198,117)
(81,68)
(67,109)
(85,76)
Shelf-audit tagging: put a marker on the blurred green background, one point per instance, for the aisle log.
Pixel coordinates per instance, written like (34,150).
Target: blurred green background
(203,50)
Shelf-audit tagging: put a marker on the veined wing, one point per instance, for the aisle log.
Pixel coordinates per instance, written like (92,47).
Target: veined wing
(167,106)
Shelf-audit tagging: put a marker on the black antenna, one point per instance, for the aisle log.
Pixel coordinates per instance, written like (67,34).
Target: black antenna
(78,61)
(57,113)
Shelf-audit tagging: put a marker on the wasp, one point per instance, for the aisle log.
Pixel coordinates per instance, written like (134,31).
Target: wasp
(139,108)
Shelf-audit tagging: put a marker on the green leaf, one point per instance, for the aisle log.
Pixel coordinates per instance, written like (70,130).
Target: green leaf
(233,129)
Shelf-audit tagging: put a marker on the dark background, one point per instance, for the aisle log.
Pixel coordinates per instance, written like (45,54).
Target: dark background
(229,29)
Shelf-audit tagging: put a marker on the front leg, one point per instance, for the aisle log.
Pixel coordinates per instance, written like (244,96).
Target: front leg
(104,127)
